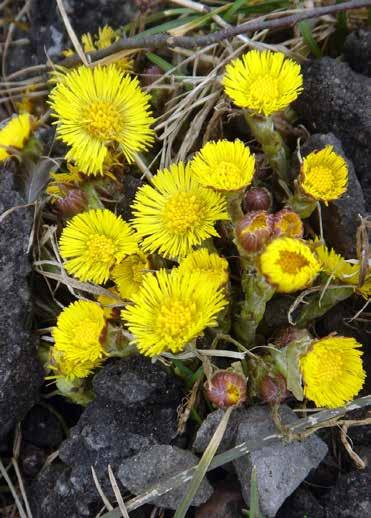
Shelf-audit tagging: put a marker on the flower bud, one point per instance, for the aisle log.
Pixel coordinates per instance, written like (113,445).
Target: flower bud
(273,389)
(254,230)
(226,389)
(257,198)
(73,203)
(288,223)
(288,334)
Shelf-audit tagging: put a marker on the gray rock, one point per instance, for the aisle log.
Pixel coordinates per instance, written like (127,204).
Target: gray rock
(210,424)
(20,372)
(280,466)
(300,504)
(111,429)
(42,428)
(341,217)
(357,51)
(159,463)
(351,497)
(335,100)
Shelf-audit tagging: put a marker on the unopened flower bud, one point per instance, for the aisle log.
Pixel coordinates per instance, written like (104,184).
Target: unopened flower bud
(257,198)
(73,203)
(226,389)
(284,336)
(288,223)
(273,389)
(254,230)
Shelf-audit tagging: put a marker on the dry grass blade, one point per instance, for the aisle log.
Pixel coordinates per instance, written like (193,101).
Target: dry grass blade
(117,492)
(17,501)
(106,502)
(71,33)
(203,465)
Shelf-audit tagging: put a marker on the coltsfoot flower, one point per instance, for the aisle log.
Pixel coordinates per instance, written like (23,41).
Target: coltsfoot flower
(107,302)
(95,241)
(224,166)
(288,223)
(128,275)
(13,133)
(332,371)
(176,213)
(226,388)
(289,264)
(170,310)
(211,264)
(79,338)
(254,230)
(97,109)
(335,265)
(324,175)
(263,81)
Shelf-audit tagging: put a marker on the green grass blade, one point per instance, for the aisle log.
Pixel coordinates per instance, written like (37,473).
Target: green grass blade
(306,32)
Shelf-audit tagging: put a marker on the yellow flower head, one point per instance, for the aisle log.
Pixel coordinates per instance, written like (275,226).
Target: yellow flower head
(177,213)
(263,81)
(172,309)
(334,264)
(214,267)
(14,133)
(129,274)
(79,337)
(324,175)
(107,302)
(288,223)
(93,242)
(332,371)
(61,182)
(224,166)
(289,264)
(99,108)
(68,369)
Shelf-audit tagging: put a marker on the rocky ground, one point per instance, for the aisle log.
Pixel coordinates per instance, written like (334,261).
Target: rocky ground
(132,423)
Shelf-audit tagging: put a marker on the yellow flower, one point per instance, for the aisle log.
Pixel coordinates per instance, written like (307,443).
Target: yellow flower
(14,133)
(334,264)
(224,166)
(263,81)
(99,108)
(107,302)
(129,274)
(214,268)
(332,371)
(172,309)
(79,337)
(93,242)
(288,223)
(324,175)
(289,264)
(70,370)
(177,213)
(59,181)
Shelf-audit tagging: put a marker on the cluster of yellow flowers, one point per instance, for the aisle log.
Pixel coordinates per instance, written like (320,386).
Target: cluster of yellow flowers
(162,266)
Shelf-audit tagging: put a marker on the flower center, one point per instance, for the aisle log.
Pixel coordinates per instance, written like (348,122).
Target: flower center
(137,270)
(289,225)
(264,87)
(86,336)
(233,393)
(228,175)
(257,223)
(100,249)
(322,179)
(183,212)
(175,319)
(102,120)
(291,262)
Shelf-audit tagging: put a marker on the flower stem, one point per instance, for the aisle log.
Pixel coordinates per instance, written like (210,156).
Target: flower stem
(271,141)
(234,206)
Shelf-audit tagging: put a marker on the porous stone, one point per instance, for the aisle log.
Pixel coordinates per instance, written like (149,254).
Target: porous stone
(159,463)
(20,372)
(351,497)
(112,428)
(357,51)
(42,428)
(280,466)
(340,217)
(334,100)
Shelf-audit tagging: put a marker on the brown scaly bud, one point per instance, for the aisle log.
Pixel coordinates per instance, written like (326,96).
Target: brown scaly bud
(254,230)
(73,203)
(257,198)
(151,74)
(288,223)
(226,389)
(273,389)
(288,334)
